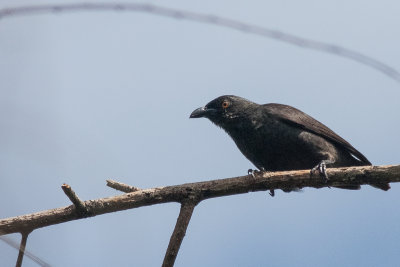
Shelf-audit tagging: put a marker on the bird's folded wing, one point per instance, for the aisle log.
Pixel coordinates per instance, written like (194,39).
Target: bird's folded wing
(299,119)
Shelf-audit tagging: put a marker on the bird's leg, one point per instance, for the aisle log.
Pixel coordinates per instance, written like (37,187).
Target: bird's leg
(321,168)
(272,192)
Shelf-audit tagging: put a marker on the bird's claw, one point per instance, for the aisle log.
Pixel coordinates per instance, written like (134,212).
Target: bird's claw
(272,192)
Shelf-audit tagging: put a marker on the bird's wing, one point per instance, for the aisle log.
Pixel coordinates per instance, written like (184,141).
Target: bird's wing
(298,118)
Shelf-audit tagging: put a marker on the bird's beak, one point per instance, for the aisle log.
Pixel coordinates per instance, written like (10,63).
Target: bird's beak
(201,112)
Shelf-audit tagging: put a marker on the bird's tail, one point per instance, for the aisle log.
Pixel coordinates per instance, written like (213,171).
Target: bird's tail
(365,162)
(349,187)
(382,186)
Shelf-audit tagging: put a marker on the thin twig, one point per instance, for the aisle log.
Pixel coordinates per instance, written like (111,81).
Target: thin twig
(79,204)
(211,19)
(179,233)
(209,189)
(21,253)
(121,186)
(30,255)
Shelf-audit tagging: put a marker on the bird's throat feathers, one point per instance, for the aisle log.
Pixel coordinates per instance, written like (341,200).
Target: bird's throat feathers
(235,122)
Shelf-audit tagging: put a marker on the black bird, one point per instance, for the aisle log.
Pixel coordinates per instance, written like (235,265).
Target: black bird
(276,137)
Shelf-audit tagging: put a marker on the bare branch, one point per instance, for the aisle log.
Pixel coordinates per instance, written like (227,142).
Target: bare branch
(121,187)
(177,236)
(205,190)
(210,19)
(79,205)
(21,253)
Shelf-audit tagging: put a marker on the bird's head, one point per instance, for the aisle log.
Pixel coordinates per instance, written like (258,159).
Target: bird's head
(223,110)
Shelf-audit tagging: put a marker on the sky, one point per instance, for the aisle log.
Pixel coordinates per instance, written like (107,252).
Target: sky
(90,96)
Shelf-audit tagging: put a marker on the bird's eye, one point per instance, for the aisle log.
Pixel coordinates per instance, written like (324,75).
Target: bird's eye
(225,104)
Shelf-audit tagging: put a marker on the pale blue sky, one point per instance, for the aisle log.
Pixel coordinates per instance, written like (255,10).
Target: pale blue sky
(89,96)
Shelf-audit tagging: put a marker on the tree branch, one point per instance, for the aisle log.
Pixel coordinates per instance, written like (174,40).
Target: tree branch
(177,236)
(205,190)
(121,187)
(22,246)
(189,195)
(210,19)
(79,205)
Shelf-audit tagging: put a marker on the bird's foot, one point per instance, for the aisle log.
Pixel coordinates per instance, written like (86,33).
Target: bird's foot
(321,168)
(253,173)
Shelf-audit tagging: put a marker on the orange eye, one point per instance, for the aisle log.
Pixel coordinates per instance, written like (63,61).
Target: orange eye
(225,104)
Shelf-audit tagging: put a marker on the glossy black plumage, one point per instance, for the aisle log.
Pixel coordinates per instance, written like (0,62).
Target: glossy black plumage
(277,137)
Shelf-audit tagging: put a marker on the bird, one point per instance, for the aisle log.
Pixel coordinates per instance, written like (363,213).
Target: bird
(278,137)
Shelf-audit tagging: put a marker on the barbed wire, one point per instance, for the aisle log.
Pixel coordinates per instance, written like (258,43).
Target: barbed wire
(210,19)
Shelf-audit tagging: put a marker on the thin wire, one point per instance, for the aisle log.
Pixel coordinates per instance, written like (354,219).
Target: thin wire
(15,245)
